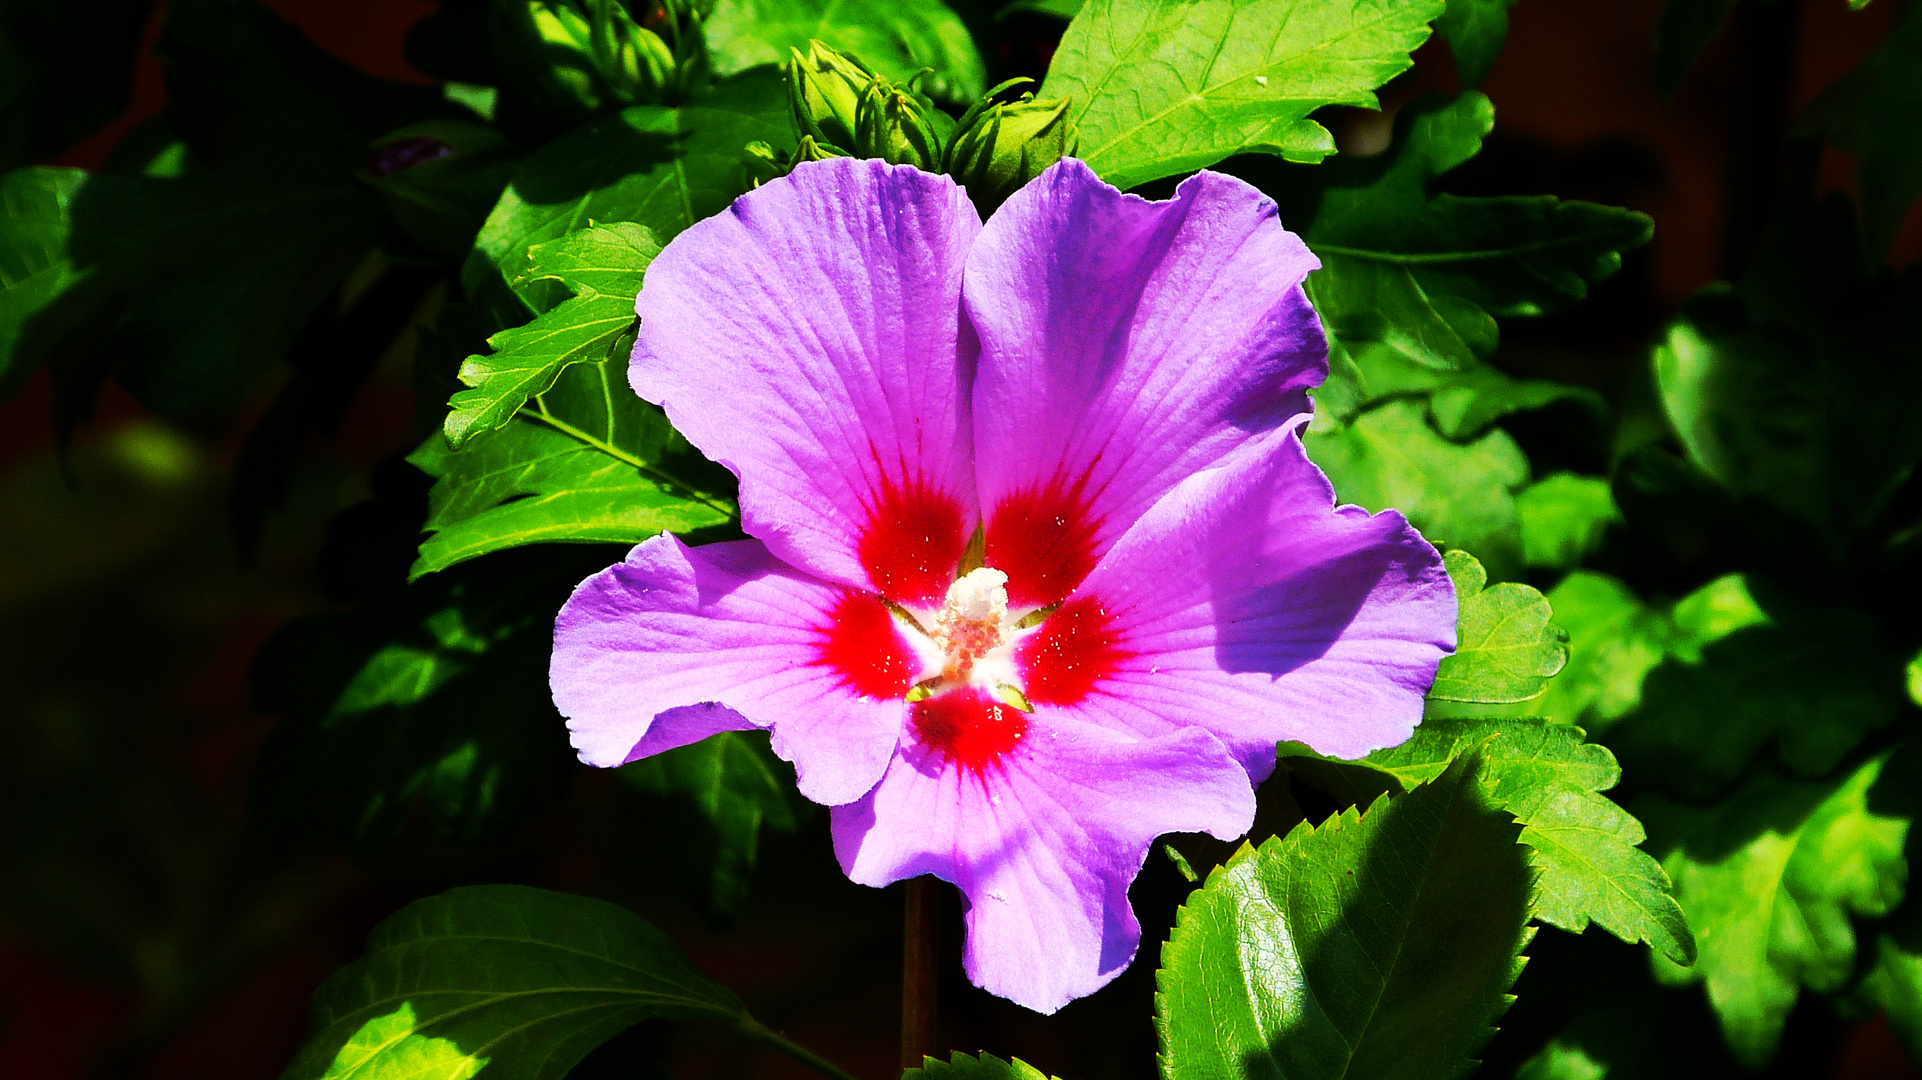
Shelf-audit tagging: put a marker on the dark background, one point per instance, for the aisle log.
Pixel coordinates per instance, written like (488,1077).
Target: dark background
(142,934)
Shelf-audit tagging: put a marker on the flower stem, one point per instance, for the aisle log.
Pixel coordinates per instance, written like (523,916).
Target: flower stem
(761,1033)
(918,969)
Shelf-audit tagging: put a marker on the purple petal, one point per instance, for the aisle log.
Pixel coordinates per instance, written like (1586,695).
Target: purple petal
(810,339)
(1043,844)
(677,643)
(1247,604)
(1125,344)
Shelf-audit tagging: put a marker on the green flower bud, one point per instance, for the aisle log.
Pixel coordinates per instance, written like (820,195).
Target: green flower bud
(1002,147)
(637,64)
(809,150)
(824,94)
(900,126)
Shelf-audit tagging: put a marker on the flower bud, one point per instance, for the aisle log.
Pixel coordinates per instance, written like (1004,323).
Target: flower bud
(637,64)
(1004,146)
(824,94)
(900,127)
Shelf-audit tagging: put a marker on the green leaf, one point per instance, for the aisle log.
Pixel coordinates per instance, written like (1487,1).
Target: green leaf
(1164,88)
(1565,519)
(1894,984)
(1871,112)
(1614,641)
(35,218)
(1582,845)
(1507,649)
(1685,29)
(1799,389)
(1423,276)
(896,38)
(1462,494)
(521,982)
(602,266)
(1770,879)
(427,707)
(960,1066)
(1461,403)
(1915,679)
(734,785)
(583,461)
(1380,944)
(664,168)
(1475,30)
(1736,674)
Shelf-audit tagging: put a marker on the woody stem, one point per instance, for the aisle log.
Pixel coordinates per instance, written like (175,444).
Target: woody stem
(917,973)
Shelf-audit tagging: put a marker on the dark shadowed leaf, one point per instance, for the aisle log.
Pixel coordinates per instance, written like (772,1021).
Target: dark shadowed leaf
(428,705)
(66,69)
(520,982)
(896,38)
(1871,112)
(729,786)
(1475,30)
(1424,275)
(585,461)
(1685,29)
(1379,944)
(1688,694)
(1164,88)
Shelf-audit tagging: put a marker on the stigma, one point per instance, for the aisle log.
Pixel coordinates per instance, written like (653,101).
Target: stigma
(973,621)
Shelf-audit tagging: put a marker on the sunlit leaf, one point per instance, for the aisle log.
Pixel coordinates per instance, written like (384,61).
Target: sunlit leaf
(34,265)
(1461,494)
(1507,648)
(1582,844)
(584,461)
(896,38)
(602,267)
(664,168)
(1565,518)
(1771,879)
(965,1067)
(1163,88)
(1378,944)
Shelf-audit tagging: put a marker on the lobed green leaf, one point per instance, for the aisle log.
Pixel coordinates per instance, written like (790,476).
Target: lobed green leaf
(1565,519)
(1771,879)
(1462,494)
(602,266)
(1161,88)
(1507,648)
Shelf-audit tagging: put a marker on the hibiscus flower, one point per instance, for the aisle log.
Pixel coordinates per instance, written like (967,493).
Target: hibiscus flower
(1039,569)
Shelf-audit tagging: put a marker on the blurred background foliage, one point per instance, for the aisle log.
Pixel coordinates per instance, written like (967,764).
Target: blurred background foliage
(246,713)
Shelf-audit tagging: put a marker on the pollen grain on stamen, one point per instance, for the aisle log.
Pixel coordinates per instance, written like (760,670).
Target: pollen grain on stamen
(973,620)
